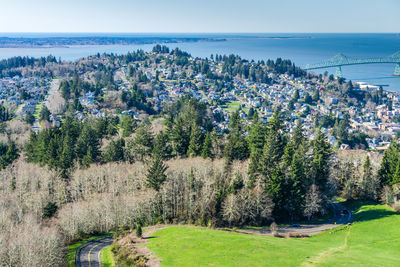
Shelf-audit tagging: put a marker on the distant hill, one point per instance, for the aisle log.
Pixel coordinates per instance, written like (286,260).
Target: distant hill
(34,42)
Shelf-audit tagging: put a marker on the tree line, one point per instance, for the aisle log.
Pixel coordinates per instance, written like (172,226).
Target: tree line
(6,65)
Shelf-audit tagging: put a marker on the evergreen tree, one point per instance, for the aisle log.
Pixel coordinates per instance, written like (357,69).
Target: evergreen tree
(30,147)
(88,158)
(236,147)
(367,168)
(112,128)
(29,118)
(320,161)
(296,184)
(251,113)
(316,96)
(4,113)
(276,188)
(65,90)
(195,143)
(291,105)
(87,146)
(207,150)
(162,145)
(342,129)
(67,155)
(308,99)
(139,231)
(368,186)
(156,173)
(234,123)
(71,127)
(296,95)
(274,145)
(124,96)
(49,210)
(128,124)
(77,105)
(256,140)
(114,151)
(52,151)
(8,153)
(389,164)
(295,142)
(44,114)
(396,174)
(143,142)
(180,137)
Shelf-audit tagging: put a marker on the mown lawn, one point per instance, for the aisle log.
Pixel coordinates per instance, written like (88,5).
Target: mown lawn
(38,108)
(372,240)
(232,106)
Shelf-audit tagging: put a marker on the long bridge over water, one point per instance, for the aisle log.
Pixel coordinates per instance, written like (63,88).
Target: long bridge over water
(341,60)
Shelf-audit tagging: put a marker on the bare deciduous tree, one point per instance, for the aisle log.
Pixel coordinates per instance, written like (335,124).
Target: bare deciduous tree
(312,202)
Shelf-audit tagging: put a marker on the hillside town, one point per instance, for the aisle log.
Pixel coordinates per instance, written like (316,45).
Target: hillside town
(163,80)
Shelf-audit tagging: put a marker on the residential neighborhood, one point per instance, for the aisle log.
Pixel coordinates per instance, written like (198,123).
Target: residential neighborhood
(165,82)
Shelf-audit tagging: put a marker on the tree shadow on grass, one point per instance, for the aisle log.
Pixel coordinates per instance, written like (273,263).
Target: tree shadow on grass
(367,214)
(150,237)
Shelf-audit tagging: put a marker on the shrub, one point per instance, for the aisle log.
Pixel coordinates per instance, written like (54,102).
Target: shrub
(49,210)
(139,231)
(273,227)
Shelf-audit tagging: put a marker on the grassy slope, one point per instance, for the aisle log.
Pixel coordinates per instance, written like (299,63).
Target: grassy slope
(374,240)
(106,256)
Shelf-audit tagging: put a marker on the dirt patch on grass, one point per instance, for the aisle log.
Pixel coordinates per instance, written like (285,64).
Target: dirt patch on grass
(133,250)
(281,233)
(327,253)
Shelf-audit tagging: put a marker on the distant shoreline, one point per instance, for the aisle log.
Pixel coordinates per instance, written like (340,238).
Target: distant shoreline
(67,42)
(268,37)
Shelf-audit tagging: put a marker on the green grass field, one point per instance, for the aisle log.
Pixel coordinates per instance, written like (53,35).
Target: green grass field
(232,106)
(38,108)
(372,240)
(107,258)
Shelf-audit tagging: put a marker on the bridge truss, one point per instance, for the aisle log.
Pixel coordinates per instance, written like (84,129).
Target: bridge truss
(341,60)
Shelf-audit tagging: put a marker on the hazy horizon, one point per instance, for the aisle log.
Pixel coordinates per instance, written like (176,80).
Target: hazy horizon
(207,16)
(198,33)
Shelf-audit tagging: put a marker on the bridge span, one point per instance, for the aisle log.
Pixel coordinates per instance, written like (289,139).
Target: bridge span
(341,60)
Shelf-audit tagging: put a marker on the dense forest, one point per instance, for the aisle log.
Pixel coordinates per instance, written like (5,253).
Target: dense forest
(7,66)
(88,185)
(286,166)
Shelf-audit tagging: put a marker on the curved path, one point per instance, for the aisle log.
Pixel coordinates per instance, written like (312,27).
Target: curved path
(342,215)
(328,253)
(89,254)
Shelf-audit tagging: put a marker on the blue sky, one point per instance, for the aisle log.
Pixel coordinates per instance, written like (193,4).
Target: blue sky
(199,16)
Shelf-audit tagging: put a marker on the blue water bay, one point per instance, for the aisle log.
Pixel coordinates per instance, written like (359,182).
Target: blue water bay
(302,48)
